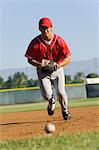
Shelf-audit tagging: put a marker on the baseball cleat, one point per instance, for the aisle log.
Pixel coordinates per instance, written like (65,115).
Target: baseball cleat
(66,115)
(51,107)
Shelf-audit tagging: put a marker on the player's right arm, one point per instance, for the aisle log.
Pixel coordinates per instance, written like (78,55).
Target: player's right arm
(34,63)
(31,53)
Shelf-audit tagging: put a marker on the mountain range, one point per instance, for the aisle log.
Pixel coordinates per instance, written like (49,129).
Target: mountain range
(85,66)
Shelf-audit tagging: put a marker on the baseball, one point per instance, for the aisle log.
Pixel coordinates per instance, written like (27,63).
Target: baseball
(49,128)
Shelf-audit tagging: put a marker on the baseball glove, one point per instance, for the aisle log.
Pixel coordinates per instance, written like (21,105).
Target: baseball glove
(48,66)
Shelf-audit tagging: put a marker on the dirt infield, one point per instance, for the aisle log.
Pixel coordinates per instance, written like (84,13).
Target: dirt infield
(29,124)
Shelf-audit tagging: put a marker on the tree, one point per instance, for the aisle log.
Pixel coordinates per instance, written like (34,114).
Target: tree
(9,83)
(92,75)
(17,80)
(68,79)
(20,79)
(1,82)
(79,78)
(30,83)
(36,83)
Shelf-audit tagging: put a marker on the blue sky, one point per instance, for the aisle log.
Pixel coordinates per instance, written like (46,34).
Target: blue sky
(74,20)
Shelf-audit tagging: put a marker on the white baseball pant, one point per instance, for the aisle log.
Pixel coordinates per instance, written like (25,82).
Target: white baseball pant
(56,79)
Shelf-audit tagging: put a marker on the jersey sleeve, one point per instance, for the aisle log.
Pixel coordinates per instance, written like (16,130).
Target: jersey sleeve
(64,48)
(30,52)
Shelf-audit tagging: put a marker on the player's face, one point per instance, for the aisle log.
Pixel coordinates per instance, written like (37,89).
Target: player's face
(47,33)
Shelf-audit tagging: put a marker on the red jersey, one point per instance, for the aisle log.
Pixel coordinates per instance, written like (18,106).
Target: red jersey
(56,50)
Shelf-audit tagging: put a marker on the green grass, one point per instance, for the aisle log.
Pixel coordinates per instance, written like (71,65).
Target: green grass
(78,141)
(84,102)
(43,105)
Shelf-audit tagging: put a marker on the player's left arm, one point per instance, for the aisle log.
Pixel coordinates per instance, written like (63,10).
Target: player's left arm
(64,62)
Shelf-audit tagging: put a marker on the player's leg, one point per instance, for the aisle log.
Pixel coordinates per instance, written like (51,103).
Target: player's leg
(62,95)
(47,93)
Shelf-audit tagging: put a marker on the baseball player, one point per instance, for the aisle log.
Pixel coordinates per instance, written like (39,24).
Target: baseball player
(49,53)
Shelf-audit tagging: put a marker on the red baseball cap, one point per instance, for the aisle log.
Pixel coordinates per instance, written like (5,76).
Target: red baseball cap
(45,22)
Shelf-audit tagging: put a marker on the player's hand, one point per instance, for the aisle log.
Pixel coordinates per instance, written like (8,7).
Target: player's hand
(48,66)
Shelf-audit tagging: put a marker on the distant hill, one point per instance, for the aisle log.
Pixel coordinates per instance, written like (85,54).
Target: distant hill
(85,66)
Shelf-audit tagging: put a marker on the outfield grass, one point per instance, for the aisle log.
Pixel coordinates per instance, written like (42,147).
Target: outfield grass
(43,105)
(78,141)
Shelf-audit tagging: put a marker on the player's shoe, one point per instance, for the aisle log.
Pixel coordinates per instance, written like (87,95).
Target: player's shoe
(51,107)
(66,115)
